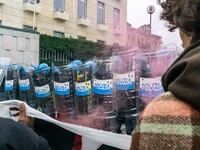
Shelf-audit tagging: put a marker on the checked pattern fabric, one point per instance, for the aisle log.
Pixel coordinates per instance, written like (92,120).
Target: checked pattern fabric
(167,123)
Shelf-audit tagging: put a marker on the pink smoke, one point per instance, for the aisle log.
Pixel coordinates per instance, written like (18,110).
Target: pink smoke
(94,120)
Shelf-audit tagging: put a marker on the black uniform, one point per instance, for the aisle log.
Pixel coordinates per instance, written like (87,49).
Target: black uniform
(45,136)
(17,136)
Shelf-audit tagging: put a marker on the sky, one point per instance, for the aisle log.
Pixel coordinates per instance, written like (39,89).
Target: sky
(137,16)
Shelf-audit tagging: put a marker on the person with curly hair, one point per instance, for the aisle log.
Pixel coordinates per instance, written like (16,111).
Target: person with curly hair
(172,120)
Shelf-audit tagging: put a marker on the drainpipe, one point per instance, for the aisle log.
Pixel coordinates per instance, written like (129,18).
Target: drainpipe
(34,14)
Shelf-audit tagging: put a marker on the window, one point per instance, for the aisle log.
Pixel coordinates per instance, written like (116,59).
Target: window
(31,1)
(101,13)
(58,34)
(128,37)
(82,8)
(29,28)
(116,18)
(59,5)
(138,40)
(133,38)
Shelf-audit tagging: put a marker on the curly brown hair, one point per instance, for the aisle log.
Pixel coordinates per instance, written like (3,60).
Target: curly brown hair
(183,14)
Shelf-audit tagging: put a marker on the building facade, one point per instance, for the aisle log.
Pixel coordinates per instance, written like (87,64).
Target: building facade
(96,20)
(142,39)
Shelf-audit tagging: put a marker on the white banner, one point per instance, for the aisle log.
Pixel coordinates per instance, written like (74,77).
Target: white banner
(91,138)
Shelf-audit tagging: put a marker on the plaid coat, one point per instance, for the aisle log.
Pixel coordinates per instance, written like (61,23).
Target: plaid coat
(167,123)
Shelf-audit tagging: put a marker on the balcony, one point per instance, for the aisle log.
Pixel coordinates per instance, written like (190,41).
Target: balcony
(83,21)
(61,15)
(31,7)
(102,27)
(2,2)
(117,31)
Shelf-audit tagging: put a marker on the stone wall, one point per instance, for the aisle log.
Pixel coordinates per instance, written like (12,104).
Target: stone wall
(19,45)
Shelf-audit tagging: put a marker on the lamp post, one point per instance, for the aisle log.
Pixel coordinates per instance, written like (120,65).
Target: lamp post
(34,14)
(150,11)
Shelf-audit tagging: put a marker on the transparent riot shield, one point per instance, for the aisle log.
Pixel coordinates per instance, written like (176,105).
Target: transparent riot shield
(103,91)
(26,85)
(63,89)
(43,89)
(11,83)
(4,63)
(141,68)
(124,102)
(83,89)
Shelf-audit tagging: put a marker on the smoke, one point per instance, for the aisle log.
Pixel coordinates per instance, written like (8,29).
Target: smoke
(94,120)
(160,64)
(121,101)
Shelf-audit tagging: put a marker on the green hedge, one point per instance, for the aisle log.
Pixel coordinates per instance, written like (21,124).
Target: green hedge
(77,48)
